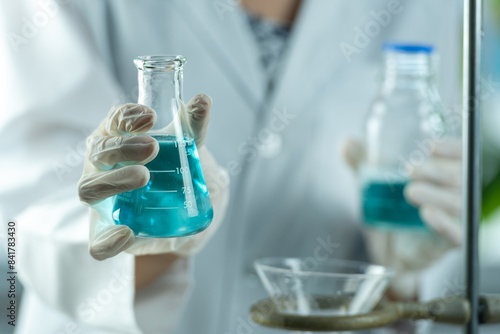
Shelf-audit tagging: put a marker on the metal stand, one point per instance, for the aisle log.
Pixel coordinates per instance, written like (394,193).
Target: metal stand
(451,310)
(472,153)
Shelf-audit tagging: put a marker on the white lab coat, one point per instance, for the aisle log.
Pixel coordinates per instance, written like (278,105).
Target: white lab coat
(293,196)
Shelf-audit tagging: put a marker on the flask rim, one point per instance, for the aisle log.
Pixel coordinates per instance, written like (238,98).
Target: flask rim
(162,63)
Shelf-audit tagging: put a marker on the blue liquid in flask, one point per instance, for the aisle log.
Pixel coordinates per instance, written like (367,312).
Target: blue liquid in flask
(168,206)
(384,205)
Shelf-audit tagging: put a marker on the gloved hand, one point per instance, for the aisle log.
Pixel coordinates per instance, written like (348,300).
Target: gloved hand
(116,154)
(435,188)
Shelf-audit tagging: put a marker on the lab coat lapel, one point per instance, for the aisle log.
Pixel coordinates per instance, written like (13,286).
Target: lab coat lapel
(313,55)
(222,29)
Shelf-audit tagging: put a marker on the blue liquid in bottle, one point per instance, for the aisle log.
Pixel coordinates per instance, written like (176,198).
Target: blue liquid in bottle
(384,205)
(168,206)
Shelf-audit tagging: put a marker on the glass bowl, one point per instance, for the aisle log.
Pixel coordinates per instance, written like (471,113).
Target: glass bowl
(306,286)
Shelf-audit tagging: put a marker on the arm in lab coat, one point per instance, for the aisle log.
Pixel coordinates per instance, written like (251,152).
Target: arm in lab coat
(58,91)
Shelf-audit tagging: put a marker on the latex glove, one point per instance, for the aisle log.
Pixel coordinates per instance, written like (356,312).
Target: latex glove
(116,154)
(435,188)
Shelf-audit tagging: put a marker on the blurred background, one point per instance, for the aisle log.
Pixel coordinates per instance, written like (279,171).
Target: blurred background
(490,226)
(490,232)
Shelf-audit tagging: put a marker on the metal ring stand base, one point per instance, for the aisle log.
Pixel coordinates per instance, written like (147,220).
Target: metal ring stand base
(450,310)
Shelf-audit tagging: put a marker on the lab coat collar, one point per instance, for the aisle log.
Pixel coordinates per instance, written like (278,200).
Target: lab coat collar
(223,31)
(312,56)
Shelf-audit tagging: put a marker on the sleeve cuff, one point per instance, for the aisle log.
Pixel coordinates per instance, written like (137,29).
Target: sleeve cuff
(159,306)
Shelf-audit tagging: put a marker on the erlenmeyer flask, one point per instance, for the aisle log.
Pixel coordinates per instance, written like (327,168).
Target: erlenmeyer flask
(175,202)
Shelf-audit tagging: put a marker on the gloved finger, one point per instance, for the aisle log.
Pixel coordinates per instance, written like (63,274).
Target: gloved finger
(110,241)
(127,118)
(96,187)
(198,111)
(450,148)
(447,172)
(404,286)
(353,152)
(442,223)
(425,194)
(106,152)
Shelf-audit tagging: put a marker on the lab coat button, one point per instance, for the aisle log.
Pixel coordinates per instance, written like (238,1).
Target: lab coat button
(271,146)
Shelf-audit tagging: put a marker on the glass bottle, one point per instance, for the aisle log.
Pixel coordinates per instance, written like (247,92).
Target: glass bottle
(175,202)
(404,124)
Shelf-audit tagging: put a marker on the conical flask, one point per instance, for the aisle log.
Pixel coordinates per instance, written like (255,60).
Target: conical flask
(175,202)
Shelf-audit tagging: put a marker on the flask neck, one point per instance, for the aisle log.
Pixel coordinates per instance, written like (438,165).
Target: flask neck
(408,71)
(160,86)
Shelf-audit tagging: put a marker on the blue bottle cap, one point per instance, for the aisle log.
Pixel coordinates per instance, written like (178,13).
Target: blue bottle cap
(409,48)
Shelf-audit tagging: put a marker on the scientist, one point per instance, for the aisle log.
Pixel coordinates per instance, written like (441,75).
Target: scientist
(290,82)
